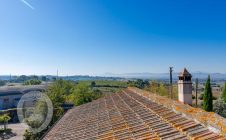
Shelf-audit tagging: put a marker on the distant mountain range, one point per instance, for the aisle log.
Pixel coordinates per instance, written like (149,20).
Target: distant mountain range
(73,78)
(146,75)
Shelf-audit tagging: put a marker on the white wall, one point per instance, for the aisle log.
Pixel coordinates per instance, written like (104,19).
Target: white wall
(185,92)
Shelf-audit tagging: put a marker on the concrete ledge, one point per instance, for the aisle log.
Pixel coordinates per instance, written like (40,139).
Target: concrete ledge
(210,119)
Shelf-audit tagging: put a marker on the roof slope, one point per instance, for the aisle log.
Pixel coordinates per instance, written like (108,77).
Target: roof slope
(126,115)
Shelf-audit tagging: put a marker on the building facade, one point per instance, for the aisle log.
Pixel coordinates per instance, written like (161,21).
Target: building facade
(10,96)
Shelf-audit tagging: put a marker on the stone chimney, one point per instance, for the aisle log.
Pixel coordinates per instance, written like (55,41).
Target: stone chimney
(185,87)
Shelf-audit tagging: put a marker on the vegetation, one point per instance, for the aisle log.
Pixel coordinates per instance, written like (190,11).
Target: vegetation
(2,83)
(93,84)
(201,96)
(32,82)
(162,89)
(35,120)
(7,131)
(24,78)
(138,83)
(105,86)
(105,83)
(82,93)
(208,97)
(153,87)
(220,107)
(224,93)
(109,89)
(61,92)
(4,119)
(28,135)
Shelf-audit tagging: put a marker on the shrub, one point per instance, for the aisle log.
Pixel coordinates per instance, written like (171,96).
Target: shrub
(219,107)
(201,96)
(139,83)
(214,98)
(32,82)
(224,93)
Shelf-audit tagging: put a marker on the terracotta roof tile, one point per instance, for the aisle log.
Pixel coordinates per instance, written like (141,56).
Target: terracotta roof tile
(126,116)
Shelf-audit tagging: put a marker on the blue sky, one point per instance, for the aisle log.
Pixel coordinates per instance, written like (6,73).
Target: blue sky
(118,36)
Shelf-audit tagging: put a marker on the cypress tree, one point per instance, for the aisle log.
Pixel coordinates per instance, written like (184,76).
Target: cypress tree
(207,98)
(224,93)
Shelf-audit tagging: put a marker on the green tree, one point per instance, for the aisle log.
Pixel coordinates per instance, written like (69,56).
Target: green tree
(57,113)
(224,93)
(93,84)
(131,83)
(32,82)
(2,83)
(44,78)
(154,87)
(4,119)
(34,77)
(139,83)
(208,97)
(35,120)
(54,78)
(220,107)
(175,92)
(162,90)
(59,90)
(28,135)
(82,94)
(96,93)
(22,78)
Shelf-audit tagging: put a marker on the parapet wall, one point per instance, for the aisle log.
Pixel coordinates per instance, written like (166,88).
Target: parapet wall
(209,119)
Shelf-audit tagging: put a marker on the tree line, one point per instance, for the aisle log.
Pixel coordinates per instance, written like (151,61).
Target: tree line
(32,82)
(219,106)
(62,92)
(153,86)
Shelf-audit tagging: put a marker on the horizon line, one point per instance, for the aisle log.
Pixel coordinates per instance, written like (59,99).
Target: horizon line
(107,74)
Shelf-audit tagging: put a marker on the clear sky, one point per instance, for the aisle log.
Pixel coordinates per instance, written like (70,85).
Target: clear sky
(117,36)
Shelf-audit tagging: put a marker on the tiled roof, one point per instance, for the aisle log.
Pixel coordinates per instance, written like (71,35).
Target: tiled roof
(127,116)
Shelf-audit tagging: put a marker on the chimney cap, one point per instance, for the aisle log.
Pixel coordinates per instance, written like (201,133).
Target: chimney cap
(184,72)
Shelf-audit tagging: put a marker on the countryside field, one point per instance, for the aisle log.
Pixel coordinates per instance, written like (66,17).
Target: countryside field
(106,86)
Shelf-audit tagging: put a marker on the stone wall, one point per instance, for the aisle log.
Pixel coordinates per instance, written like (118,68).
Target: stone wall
(210,119)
